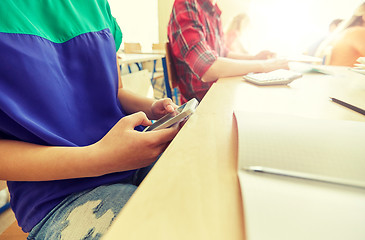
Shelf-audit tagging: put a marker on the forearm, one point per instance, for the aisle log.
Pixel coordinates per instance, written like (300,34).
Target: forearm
(21,161)
(133,103)
(242,56)
(225,67)
(121,149)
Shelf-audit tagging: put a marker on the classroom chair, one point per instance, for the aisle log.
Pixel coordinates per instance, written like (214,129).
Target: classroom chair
(158,48)
(13,231)
(171,85)
(133,48)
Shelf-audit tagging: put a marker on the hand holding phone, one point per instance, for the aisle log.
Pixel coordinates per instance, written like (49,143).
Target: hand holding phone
(180,114)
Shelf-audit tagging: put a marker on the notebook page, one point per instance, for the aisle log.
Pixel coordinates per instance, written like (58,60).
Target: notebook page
(322,147)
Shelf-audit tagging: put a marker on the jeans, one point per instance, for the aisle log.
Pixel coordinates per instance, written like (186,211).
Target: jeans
(87,215)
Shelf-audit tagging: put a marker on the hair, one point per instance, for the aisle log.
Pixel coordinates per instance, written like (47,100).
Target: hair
(357,17)
(355,20)
(335,22)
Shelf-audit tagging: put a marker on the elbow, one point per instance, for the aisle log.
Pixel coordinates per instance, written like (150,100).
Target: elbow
(208,79)
(210,76)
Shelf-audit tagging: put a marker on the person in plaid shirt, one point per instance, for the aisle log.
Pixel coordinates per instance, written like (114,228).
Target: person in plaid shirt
(199,53)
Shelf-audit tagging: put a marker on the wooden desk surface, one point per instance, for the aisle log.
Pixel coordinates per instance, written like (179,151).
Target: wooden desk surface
(193,191)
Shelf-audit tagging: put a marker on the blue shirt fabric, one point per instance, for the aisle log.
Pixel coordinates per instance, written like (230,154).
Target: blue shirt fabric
(58,94)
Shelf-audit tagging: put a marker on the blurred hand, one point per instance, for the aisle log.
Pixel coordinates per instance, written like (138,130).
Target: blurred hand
(161,107)
(274,64)
(264,55)
(124,148)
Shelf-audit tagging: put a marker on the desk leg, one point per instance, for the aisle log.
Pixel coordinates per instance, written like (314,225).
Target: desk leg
(153,73)
(139,65)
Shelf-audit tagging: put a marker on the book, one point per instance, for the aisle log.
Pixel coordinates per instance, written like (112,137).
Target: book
(324,150)
(360,66)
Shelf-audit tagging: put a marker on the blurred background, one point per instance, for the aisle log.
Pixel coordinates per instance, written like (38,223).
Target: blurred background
(287,27)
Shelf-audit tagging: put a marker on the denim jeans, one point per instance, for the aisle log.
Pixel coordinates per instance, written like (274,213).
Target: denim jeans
(88,214)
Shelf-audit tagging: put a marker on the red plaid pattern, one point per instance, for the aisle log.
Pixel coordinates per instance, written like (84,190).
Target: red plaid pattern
(196,37)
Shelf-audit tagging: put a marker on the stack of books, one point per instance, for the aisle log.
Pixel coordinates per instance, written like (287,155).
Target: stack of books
(360,66)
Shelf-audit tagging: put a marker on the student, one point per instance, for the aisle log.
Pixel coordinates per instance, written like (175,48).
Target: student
(199,51)
(234,32)
(348,41)
(331,28)
(70,141)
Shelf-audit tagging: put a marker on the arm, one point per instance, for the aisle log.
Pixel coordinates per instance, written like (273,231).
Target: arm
(226,67)
(21,161)
(263,55)
(238,55)
(359,41)
(189,45)
(121,149)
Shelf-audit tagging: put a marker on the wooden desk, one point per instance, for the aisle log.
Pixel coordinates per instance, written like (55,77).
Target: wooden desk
(193,191)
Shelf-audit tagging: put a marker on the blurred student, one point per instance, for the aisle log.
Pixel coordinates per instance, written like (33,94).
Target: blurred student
(331,28)
(72,150)
(234,32)
(348,41)
(199,51)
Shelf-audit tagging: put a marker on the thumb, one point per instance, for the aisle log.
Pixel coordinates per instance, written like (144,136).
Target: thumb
(136,119)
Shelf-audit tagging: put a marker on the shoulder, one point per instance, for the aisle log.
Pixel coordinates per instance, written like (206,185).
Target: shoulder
(187,9)
(354,32)
(351,35)
(186,5)
(352,39)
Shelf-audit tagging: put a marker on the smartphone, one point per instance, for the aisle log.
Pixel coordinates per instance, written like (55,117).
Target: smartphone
(182,113)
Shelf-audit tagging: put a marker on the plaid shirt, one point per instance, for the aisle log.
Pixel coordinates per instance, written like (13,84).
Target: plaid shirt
(196,37)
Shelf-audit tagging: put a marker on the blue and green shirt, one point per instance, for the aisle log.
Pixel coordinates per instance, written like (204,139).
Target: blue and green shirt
(58,87)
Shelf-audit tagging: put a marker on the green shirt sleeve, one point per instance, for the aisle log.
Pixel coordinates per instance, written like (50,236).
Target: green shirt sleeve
(114,28)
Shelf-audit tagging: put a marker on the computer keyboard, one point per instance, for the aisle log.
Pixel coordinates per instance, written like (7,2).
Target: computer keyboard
(277,77)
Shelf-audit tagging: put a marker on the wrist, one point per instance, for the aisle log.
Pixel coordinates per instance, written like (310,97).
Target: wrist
(97,159)
(150,114)
(262,66)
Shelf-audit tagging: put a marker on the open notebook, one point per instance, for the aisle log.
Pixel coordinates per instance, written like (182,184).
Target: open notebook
(316,149)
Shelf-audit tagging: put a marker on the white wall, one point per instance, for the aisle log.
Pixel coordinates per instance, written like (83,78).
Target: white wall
(138,20)
(164,11)
(290,26)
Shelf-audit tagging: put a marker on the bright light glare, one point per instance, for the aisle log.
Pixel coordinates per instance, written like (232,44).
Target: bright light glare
(289,27)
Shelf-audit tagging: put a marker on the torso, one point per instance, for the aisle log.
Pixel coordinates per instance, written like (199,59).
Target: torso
(348,47)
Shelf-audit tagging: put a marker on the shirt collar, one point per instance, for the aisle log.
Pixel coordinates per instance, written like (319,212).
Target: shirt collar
(209,7)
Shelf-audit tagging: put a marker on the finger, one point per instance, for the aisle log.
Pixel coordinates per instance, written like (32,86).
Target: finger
(164,135)
(169,106)
(137,119)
